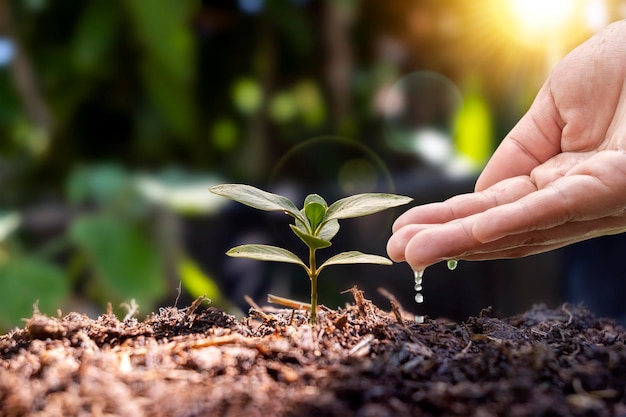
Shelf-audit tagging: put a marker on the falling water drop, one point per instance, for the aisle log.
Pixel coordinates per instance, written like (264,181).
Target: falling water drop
(452,263)
(418,276)
(419,298)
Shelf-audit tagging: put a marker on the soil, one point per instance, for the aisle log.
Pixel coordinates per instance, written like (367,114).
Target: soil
(356,361)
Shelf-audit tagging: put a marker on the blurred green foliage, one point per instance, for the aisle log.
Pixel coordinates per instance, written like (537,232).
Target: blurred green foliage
(28,281)
(113,249)
(124,260)
(100,91)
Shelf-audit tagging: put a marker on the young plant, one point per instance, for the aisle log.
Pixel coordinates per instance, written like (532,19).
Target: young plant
(315,224)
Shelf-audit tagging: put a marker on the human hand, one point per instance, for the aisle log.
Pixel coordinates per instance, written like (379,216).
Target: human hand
(558,177)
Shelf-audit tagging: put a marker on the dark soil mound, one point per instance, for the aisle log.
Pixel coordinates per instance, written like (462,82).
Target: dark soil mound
(358,361)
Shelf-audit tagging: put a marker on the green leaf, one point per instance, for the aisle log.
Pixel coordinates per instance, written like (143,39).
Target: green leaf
(328,230)
(105,183)
(26,281)
(355,257)
(124,258)
(363,204)
(311,241)
(315,208)
(265,253)
(258,199)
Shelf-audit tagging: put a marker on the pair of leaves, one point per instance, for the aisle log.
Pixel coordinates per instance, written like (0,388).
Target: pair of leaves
(276,254)
(348,207)
(316,224)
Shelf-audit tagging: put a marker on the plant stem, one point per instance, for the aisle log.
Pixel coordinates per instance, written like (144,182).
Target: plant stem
(313,276)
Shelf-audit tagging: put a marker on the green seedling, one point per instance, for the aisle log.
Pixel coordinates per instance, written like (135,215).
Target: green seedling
(315,224)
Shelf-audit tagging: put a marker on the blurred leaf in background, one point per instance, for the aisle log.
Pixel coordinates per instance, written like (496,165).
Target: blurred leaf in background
(102,184)
(26,281)
(123,258)
(473,128)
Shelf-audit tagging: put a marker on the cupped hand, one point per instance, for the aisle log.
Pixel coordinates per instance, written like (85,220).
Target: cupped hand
(557,178)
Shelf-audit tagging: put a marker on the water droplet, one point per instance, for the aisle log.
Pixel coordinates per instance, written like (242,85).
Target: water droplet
(418,280)
(452,263)
(419,298)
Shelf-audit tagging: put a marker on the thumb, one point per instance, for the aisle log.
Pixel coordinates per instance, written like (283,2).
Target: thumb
(535,139)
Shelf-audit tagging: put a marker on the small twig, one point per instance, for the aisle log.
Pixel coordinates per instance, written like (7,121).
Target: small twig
(256,308)
(131,309)
(464,351)
(385,293)
(569,314)
(179,291)
(396,308)
(396,312)
(250,301)
(274,299)
(577,385)
(216,341)
(293,312)
(362,348)
(484,312)
(194,306)
(359,298)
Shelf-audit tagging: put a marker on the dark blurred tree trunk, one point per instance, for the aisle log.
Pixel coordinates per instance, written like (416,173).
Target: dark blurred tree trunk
(336,26)
(23,75)
(254,155)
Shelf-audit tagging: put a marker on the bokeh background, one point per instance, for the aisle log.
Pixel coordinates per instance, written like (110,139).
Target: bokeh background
(116,117)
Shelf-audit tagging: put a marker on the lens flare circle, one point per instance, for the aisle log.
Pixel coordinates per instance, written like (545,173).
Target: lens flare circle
(333,167)
(344,166)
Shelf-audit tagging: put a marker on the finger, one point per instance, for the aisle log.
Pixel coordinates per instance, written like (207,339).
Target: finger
(541,241)
(422,217)
(396,245)
(568,199)
(454,241)
(465,205)
(446,241)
